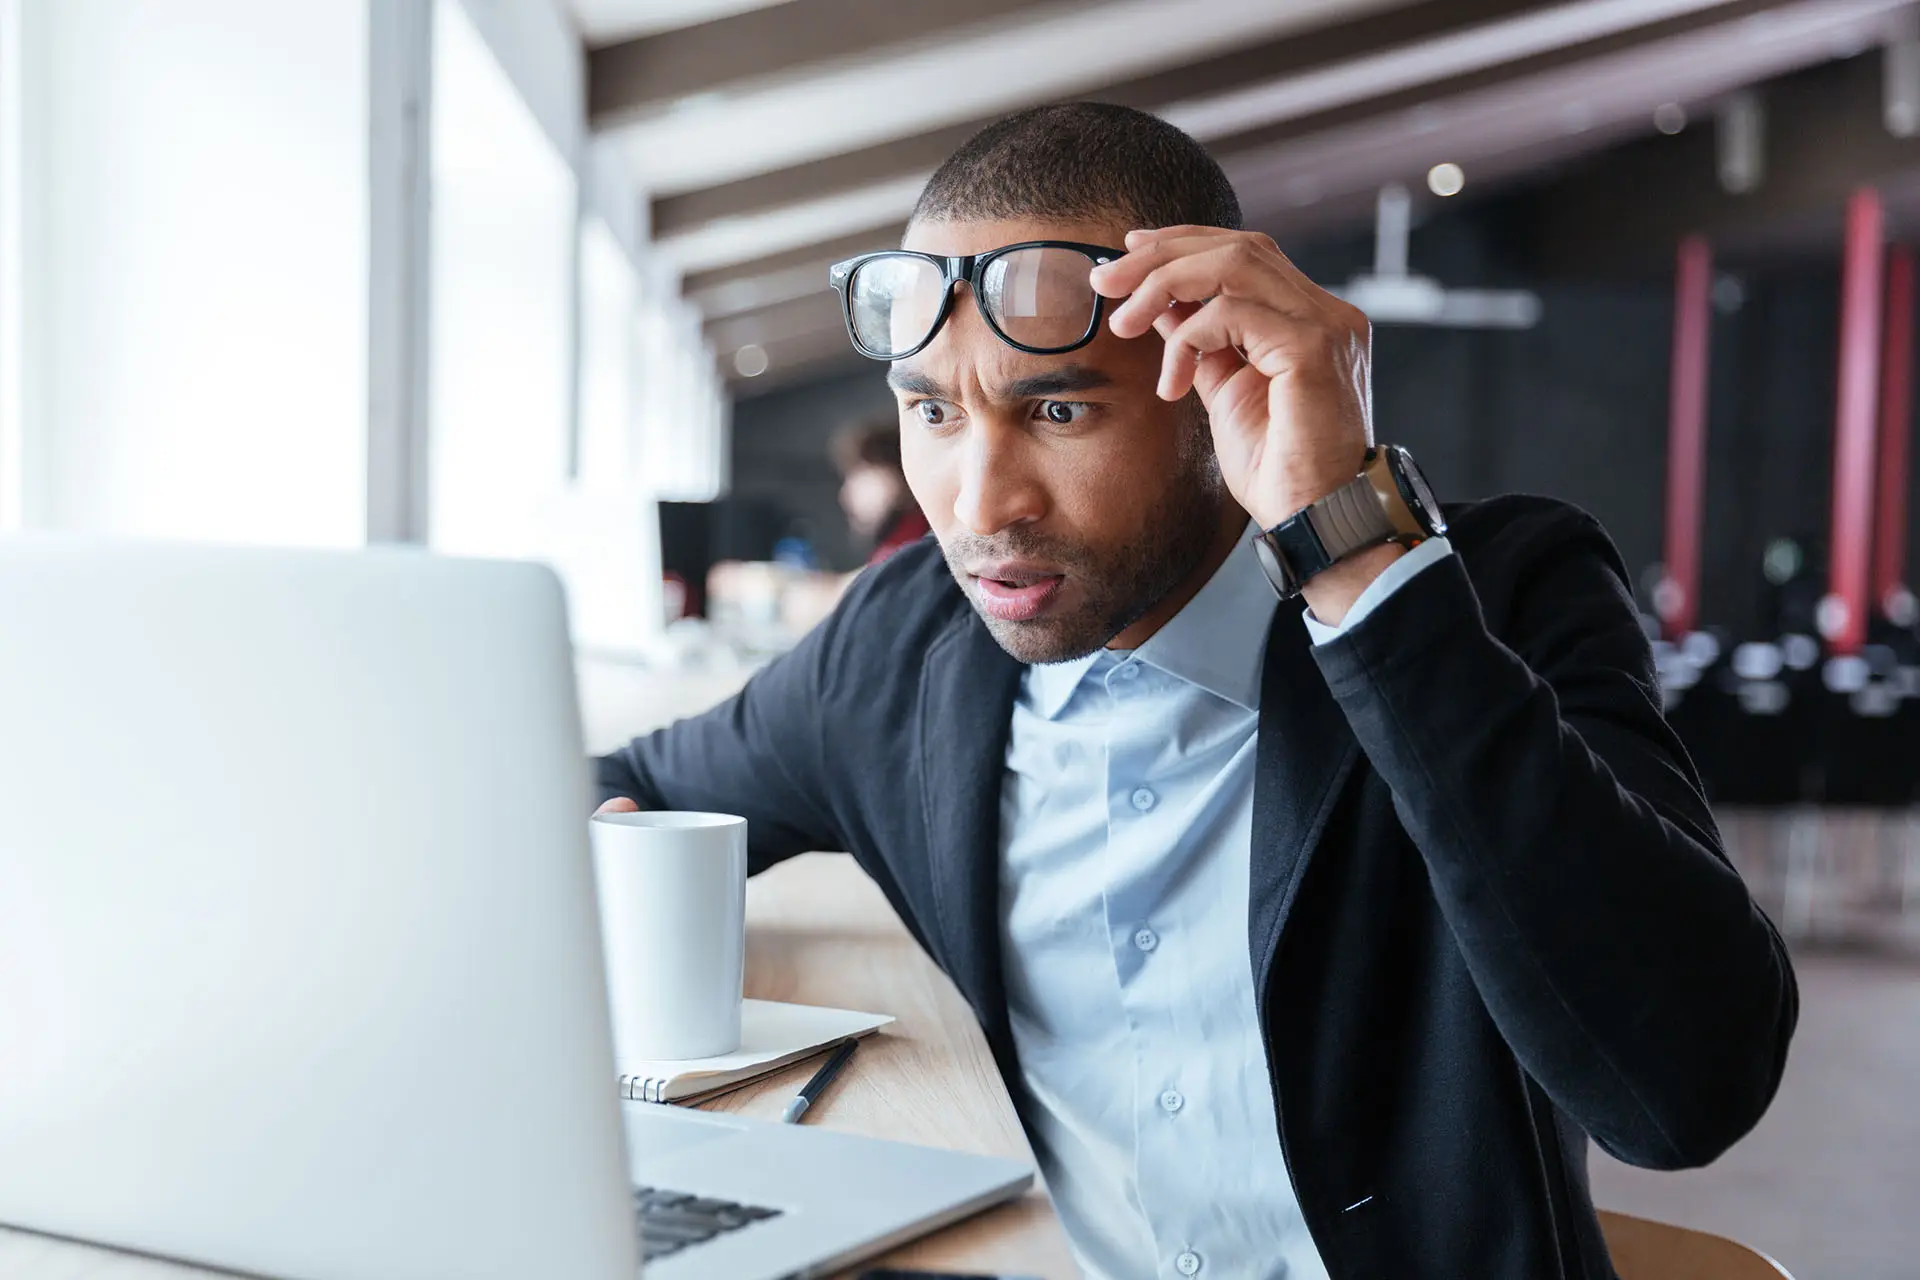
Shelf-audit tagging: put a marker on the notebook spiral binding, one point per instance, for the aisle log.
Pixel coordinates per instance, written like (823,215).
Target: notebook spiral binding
(644,1088)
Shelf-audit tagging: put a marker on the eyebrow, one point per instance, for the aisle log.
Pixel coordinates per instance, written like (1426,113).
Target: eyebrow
(913,382)
(1054,382)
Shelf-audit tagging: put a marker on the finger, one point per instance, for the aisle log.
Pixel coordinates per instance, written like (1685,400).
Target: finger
(1184,369)
(1176,361)
(1245,264)
(1176,314)
(1271,341)
(619,804)
(1230,390)
(1215,369)
(1120,277)
(1176,370)
(1138,242)
(1234,269)
(1146,236)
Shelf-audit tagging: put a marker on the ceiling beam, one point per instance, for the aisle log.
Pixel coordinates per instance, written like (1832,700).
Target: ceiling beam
(1253,158)
(639,77)
(811,313)
(823,255)
(1545,111)
(1413,97)
(1288,102)
(799,359)
(1291,54)
(1824,137)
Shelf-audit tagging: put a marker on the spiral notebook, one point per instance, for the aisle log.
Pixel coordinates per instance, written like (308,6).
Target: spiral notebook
(772,1035)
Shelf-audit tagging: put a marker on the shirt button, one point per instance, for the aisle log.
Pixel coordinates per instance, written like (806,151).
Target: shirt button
(1146,939)
(1143,799)
(1187,1264)
(1130,671)
(1170,1102)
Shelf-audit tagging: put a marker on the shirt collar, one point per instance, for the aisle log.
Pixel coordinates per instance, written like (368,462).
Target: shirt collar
(1050,685)
(1218,641)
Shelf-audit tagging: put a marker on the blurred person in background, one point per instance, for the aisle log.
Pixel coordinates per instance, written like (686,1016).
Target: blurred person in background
(1320,867)
(874,495)
(881,515)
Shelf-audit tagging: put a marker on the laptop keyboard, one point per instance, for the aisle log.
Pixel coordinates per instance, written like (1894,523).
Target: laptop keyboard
(669,1221)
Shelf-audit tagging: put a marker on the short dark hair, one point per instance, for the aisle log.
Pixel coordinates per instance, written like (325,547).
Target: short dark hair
(1081,160)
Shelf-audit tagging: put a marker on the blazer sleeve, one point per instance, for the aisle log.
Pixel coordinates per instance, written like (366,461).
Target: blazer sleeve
(1569,846)
(758,754)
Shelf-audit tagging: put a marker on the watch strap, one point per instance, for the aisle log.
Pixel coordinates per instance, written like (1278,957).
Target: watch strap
(1350,519)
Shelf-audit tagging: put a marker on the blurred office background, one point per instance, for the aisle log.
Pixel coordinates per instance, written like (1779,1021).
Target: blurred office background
(547,279)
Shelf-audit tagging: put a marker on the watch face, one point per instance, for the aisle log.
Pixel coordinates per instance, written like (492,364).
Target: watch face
(1276,571)
(1414,488)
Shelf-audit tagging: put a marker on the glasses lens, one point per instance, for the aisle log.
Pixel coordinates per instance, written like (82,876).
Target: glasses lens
(895,301)
(1041,297)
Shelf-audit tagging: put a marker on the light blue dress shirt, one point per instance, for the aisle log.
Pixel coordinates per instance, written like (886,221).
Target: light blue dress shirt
(1126,838)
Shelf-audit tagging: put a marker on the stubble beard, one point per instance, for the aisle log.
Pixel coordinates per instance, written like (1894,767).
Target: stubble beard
(1117,587)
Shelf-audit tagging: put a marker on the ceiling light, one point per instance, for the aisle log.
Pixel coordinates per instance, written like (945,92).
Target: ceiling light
(1446,179)
(750,361)
(1729,295)
(1669,118)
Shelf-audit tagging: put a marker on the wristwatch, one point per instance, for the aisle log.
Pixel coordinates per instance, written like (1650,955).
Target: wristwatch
(1389,501)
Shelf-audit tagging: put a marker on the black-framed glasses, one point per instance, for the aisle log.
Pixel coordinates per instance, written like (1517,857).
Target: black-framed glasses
(1035,296)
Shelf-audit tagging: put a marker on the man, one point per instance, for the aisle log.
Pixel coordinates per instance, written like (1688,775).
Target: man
(1310,942)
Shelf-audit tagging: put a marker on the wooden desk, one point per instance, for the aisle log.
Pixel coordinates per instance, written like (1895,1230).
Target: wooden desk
(818,932)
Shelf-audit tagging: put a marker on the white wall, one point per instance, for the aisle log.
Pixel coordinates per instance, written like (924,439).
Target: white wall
(193,226)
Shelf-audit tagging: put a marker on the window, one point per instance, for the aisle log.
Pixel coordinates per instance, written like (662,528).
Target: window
(682,418)
(187,194)
(609,352)
(500,372)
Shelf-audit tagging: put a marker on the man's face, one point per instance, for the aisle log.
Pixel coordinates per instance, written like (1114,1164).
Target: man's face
(1069,499)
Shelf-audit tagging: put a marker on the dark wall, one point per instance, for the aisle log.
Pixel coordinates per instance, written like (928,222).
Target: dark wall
(1575,408)
(781,464)
(1770,437)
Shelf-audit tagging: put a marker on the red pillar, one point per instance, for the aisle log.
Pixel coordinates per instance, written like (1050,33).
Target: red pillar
(1679,598)
(1844,612)
(1896,426)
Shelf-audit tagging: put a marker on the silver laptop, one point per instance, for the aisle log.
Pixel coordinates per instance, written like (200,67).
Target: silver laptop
(299,959)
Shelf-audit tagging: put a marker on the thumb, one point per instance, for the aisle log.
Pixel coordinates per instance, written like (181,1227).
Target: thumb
(619,804)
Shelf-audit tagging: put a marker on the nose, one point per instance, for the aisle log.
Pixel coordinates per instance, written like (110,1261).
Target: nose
(998,487)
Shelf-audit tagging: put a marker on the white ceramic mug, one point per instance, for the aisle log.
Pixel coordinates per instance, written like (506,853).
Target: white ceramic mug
(673,901)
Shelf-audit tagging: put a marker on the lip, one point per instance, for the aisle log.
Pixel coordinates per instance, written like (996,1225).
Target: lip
(1015,591)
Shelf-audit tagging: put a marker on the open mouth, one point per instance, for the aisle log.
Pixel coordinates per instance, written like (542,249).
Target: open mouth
(1017,597)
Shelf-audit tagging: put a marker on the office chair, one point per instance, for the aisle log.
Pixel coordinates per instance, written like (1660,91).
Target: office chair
(1645,1250)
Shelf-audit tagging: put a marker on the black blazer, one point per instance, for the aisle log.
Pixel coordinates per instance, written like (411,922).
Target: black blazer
(1490,912)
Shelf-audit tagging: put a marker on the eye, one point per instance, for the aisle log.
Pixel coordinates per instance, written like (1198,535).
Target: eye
(934,413)
(1063,413)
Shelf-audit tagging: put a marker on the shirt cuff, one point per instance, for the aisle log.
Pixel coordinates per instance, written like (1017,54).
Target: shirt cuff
(1391,579)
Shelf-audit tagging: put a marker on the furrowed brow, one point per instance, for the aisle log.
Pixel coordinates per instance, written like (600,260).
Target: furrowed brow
(914,383)
(1056,382)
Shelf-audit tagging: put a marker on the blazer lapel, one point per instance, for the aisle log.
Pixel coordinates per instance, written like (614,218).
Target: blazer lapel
(967,688)
(1305,751)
